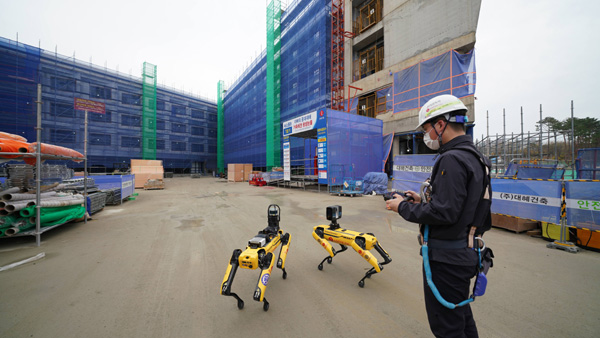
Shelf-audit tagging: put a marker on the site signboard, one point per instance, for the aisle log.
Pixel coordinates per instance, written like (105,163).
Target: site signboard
(89,105)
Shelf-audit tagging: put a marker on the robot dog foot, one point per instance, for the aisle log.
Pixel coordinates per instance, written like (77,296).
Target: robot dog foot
(371,271)
(329,259)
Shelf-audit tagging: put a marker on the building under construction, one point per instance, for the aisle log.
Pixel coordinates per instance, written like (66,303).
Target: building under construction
(141,119)
(381,59)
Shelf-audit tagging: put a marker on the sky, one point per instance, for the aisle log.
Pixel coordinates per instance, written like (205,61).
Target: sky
(527,52)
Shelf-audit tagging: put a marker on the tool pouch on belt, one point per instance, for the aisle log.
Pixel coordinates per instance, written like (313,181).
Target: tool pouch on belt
(487,261)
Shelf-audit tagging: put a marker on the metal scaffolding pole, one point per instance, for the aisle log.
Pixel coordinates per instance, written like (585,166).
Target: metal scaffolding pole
(541,150)
(38,164)
(572,137)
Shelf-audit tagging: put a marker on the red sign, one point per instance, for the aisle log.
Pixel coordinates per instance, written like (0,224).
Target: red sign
(89,105)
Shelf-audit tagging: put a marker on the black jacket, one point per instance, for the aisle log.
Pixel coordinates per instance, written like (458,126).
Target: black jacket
(457,183)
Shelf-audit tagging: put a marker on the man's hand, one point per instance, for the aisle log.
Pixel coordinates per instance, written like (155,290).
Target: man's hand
(415,197)
(394,202)
(409,196)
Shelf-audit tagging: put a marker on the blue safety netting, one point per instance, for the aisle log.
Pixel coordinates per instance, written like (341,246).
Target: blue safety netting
(583,204)
(537,171)
(537,200)
(19,66)
(411,170)
(305,83)
(588,163)
(354,146)
(186,126)
(448,73)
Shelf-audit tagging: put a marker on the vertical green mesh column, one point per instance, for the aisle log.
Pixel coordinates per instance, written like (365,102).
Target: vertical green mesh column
(273,124)
(220,127)
(149,112)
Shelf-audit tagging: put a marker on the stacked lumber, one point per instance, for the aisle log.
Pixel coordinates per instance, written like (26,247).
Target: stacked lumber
(145,170)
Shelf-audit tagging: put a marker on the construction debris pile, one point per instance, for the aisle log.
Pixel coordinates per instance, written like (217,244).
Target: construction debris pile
(18,209)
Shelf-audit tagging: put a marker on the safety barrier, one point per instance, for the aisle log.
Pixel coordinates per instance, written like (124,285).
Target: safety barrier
(583,204)
(125,183)
(529,199)
(577,202)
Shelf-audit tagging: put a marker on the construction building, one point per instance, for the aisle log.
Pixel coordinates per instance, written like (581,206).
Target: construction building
(141,120)
(377,58)
(381,59)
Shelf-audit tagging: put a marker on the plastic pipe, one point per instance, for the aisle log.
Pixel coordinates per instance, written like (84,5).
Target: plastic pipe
(19,197)
(18,205)
(11,231)
(54,202)
(10,191)
(61,202)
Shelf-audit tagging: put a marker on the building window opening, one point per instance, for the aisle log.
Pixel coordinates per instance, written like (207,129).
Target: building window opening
(369,61)
(369,14)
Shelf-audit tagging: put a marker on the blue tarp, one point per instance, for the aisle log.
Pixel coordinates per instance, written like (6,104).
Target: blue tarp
(354,145)
(375,182)
(448,73)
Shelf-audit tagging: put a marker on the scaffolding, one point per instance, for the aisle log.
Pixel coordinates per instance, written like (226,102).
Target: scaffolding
(273,141)
(149,112)
(305,78)
(186,126)
(337,55)
(545,148)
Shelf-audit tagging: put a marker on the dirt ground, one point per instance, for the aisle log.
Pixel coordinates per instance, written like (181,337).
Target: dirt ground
(153,267)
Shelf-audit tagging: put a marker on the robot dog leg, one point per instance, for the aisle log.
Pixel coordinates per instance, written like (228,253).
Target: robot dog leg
(360,242)
(259,254)
(285,246)
(319,235)
(266,264)
(362,245)
(229,275)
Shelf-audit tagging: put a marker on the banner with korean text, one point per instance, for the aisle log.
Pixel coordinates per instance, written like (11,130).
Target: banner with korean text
(536,200)
(583,204)
(411,170)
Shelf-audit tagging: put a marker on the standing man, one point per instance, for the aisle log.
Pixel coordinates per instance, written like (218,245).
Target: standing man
(458,185)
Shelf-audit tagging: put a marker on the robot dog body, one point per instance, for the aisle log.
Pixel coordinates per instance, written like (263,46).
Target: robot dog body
(259,254)
(359,241)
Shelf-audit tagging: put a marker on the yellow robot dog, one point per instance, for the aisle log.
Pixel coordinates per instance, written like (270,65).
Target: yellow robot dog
(360,242)
(259,254)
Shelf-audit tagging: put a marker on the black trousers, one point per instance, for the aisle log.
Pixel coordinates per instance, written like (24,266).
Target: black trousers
(453,283)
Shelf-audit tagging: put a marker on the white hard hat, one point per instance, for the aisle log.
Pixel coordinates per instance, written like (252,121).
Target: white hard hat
(448,105)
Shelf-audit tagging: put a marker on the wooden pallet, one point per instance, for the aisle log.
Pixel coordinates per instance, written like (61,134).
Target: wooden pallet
(155,184)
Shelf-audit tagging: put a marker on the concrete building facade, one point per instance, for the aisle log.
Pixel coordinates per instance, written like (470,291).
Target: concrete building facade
(407,32)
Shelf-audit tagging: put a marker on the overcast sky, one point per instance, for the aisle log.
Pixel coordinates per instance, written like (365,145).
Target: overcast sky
(528,52)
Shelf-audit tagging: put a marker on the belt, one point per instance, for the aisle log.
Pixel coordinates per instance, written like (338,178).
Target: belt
(447,244)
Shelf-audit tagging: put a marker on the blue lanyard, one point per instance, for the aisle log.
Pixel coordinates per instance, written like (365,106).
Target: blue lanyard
(434,290)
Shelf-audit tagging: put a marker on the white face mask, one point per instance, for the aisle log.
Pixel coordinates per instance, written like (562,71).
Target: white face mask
(431,144)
